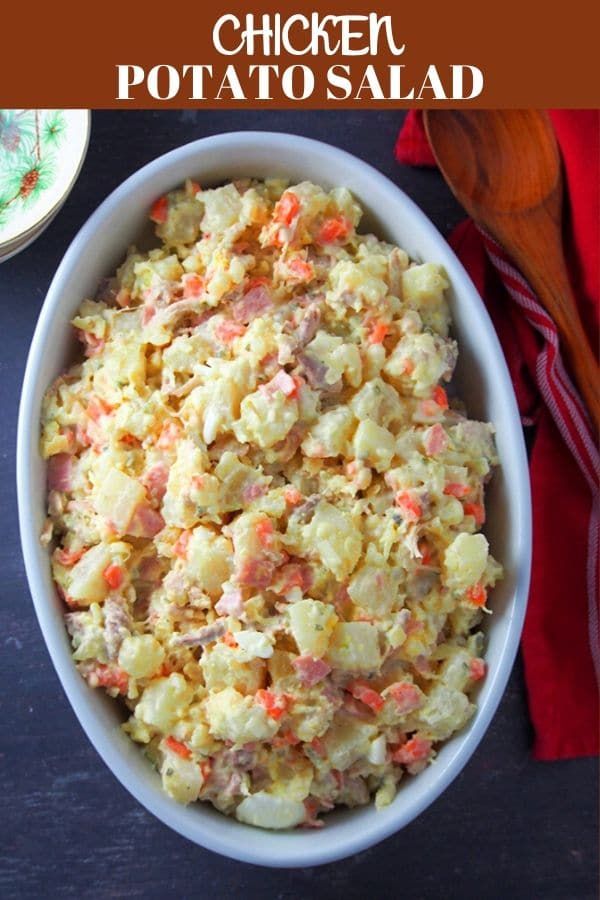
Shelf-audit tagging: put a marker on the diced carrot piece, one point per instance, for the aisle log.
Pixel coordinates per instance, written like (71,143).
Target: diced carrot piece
(113,576)
(97,408)
(476,510)
(193,285)
(300,269)
(292,496)
(318,746)
(112,677)
(274,704)
(205,768)
(169,435)
(425,551)
(264,532)
(229,639)
(333,229)
(177,747)
(440,397)
(454,489)
(69,557)
(361,691)
(412,751)
(477,594)
(477,669)
(130,440)
(287,208)
(287,739)
(409,506)
(379,332)
(160,210)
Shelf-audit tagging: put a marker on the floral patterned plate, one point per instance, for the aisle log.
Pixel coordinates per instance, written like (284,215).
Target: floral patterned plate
(41,154)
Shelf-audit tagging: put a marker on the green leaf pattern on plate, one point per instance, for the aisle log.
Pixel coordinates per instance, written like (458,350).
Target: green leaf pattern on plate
(29,142)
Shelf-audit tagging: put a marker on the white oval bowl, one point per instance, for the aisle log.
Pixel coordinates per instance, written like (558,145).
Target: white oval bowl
(482,380)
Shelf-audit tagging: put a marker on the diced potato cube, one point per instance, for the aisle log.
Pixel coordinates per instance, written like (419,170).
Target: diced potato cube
(423,282)
(265,419)
(465,561)
(178,508)
(87,584)
(209,559)
(254,644)
(346,742)
(423,288)
(292,783)
(336,538)
(311,624)
(222,208)
(223,667)
(126,363)
(269,811)
(181,778)
(117,497)
(234,717)
(340,359)
(379,401)
(164,701)
(445,711)
(374,445)
(140,655)
(354,647)
(330,434)
(455,672)
(373,589)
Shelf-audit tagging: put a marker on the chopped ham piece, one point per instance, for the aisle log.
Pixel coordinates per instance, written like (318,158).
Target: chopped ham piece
(309,326)
(254,302)
(227,331)
(155,481)
(148,313)
(145,522)
(253,491)
(406,696)
(230,604)
(293,574)
(309,670)
(203,636)
(315,372)
(150,569)
(436,440)
(256,572)
(281,382)
(60,470)
(93,345)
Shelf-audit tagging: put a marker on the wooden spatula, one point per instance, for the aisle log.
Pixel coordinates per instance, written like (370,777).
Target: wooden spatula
(504,167)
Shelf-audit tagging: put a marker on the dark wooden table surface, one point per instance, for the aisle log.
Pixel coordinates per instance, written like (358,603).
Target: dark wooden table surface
(508,827)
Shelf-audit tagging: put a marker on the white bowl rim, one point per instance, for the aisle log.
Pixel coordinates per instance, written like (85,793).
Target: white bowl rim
(318,851)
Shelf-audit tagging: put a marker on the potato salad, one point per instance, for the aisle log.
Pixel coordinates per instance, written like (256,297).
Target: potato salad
(264,511)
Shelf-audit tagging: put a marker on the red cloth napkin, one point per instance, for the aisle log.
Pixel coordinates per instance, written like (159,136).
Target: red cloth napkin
(561,644)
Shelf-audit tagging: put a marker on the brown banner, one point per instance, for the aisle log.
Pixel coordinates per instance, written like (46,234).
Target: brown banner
(335,55)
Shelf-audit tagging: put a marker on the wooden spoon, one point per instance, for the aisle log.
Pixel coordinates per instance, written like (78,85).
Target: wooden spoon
(504,167)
